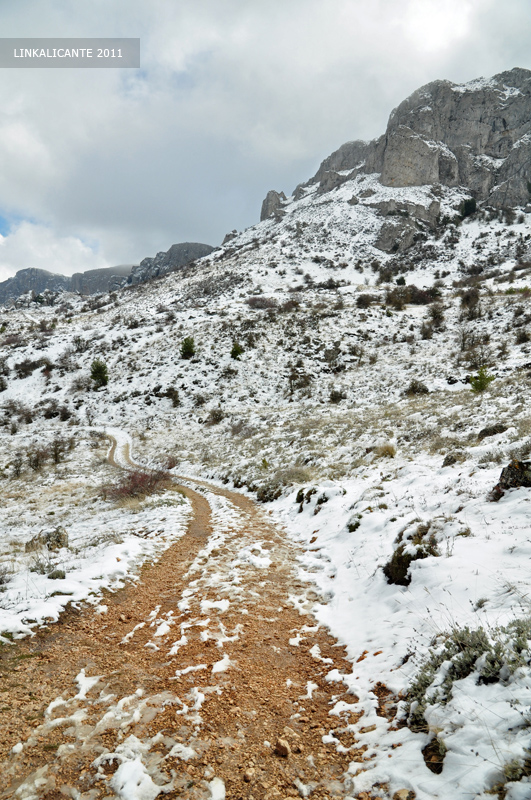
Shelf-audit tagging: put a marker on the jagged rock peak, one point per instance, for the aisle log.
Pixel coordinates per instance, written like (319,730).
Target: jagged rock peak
(272,205)
(476,135)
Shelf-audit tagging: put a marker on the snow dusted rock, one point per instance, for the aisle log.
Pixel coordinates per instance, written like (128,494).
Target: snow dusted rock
(412,160)
(229,236)
(475,135)
(394,207)
(177,256)
(272,204)
(395,237)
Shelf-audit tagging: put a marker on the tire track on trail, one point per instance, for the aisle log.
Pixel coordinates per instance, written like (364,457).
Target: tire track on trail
(207,678)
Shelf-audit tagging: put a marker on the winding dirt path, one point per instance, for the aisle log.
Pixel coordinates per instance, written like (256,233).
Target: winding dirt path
(205,679)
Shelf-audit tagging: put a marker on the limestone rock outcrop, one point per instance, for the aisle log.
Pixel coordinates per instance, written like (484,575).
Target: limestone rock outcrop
(272,205)
(475,135)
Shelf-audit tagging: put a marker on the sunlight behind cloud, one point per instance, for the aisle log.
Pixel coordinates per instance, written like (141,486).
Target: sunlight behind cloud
(437,26)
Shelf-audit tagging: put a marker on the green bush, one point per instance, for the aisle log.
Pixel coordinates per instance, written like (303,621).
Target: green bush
(99,373)
(188,347)
(480,382)
(468,207)
(237,351)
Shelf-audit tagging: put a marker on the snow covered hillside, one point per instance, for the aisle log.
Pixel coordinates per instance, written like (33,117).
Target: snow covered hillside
(322,361)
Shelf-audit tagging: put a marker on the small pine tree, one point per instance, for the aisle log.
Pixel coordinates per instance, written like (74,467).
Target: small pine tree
(236,351)
(468,207)
(99,373)
(188,347)
(480,382)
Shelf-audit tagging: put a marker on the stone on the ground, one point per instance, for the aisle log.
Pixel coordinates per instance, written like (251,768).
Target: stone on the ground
(282,748)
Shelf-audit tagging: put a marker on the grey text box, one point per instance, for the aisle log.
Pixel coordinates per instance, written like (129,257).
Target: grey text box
(68,53)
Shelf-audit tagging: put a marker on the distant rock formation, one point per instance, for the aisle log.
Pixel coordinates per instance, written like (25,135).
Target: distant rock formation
(272,204)
(173,259)
(476,135)
(93,281)
(32,280)
(107,279)
(40,280)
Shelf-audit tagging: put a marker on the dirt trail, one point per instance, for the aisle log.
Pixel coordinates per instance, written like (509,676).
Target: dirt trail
(188,681)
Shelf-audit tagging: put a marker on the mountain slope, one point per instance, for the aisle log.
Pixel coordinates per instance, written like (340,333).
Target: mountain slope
(348,408)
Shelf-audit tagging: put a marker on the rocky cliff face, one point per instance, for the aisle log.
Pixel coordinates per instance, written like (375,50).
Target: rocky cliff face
(176,257)
(475,135)
(32,280)
(100,280)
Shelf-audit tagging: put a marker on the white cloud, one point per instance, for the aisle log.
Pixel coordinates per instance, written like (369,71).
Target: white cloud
(30,245)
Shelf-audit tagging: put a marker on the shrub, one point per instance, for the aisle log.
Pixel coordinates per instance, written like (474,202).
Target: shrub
(3,384)
(188,347)
(480,382)
(387,450)
(269,492)
(470,297)
(397,568)
(37,457)
(215,416)
(58,449)
(365,300)
(290,305)
(5,576)
(26,368)
(81,384)
(354,523)
(522,336)
(237,351)
(399,296)
(259,302)
(17,465)
(136,483)
(173,395)
(336,396)
(494,656)
(468,207)
(99,373)
(416,387)
(80,345)
(437,315)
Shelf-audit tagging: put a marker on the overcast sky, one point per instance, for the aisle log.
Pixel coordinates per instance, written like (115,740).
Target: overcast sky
(233,98)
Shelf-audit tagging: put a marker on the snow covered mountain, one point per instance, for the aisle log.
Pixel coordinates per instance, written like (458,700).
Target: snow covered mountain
(324,360)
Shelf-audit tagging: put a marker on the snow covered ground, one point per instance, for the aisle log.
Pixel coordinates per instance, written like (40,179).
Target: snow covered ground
(318,401)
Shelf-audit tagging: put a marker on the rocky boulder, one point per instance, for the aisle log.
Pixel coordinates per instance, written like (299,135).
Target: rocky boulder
(517,474)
